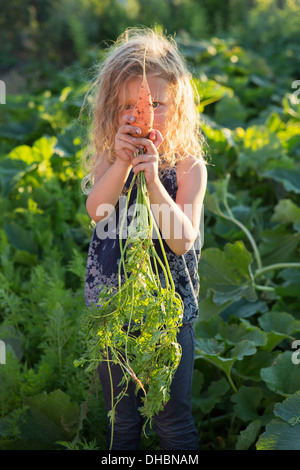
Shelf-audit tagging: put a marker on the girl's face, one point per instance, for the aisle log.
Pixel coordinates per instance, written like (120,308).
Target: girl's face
(160,99)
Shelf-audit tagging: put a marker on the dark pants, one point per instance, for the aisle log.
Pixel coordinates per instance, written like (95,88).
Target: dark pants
(174,424)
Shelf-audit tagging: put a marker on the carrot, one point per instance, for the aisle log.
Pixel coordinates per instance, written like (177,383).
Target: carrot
(143,110)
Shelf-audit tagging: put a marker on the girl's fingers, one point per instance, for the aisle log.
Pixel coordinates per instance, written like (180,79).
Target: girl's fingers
(128,153)
(151,144)
(127,145)
(140,167)
(148,144)
(127,129)
(156,137)
(123,140)
(144,160)
(127,119)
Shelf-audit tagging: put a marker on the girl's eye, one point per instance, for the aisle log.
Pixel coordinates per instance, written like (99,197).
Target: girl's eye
(155,104)
(127,106)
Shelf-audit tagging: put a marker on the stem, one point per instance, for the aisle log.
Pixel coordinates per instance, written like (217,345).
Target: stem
(123,248)
(167,271)
(127,333)
(245,230)
(154,260)
(112,397)
(231,381)
(264,288)
(209,101)
(260,269)
(265,269)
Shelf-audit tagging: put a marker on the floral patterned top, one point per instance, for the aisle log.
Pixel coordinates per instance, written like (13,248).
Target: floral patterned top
(104,257)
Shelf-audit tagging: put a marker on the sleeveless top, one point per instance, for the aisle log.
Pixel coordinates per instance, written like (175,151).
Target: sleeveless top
(104,257)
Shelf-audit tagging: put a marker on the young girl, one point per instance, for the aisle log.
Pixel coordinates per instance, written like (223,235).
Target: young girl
(175,174)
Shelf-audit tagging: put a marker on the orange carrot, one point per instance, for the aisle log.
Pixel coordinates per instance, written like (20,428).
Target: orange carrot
(143,110)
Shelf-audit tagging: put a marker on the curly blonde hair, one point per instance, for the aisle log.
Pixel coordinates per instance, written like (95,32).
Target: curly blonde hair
(136,51)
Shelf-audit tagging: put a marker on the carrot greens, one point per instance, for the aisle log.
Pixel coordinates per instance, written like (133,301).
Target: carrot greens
(136,325)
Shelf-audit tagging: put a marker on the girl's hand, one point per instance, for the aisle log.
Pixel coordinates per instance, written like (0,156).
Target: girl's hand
(148,161)
(125,144)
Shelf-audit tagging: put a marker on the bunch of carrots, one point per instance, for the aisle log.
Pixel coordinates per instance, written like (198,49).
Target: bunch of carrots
(136,325)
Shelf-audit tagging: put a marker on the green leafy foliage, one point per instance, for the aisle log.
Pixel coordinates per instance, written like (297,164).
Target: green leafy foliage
(282,433)
(249,268)
(136,324)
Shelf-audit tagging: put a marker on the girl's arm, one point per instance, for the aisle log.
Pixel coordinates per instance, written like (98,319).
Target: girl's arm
(179,221)
(108,185)
(110,178)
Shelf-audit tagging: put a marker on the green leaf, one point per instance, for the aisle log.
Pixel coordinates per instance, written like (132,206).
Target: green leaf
(209,347)
(286,211)
(244,309)
(290,286)
(274,339)
(289,409)
(214,394)
(248,436)
(283,432)
(210,350)
(18,130)
(249,367)
(290,179)
(58,408)
(208,309)
(282,377)
(280,322)
(227,273)
(247,401)
(230,112)
(279,325)
(278,245)
(67,141)
(224,364)
(22,152)
(11,171)
(25,258)
(20,238)
(42,148)
(216,194)
(235,333)
(279,436)
(198,380)
(47,418)
(211,91)
(243,348)
(259,146)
